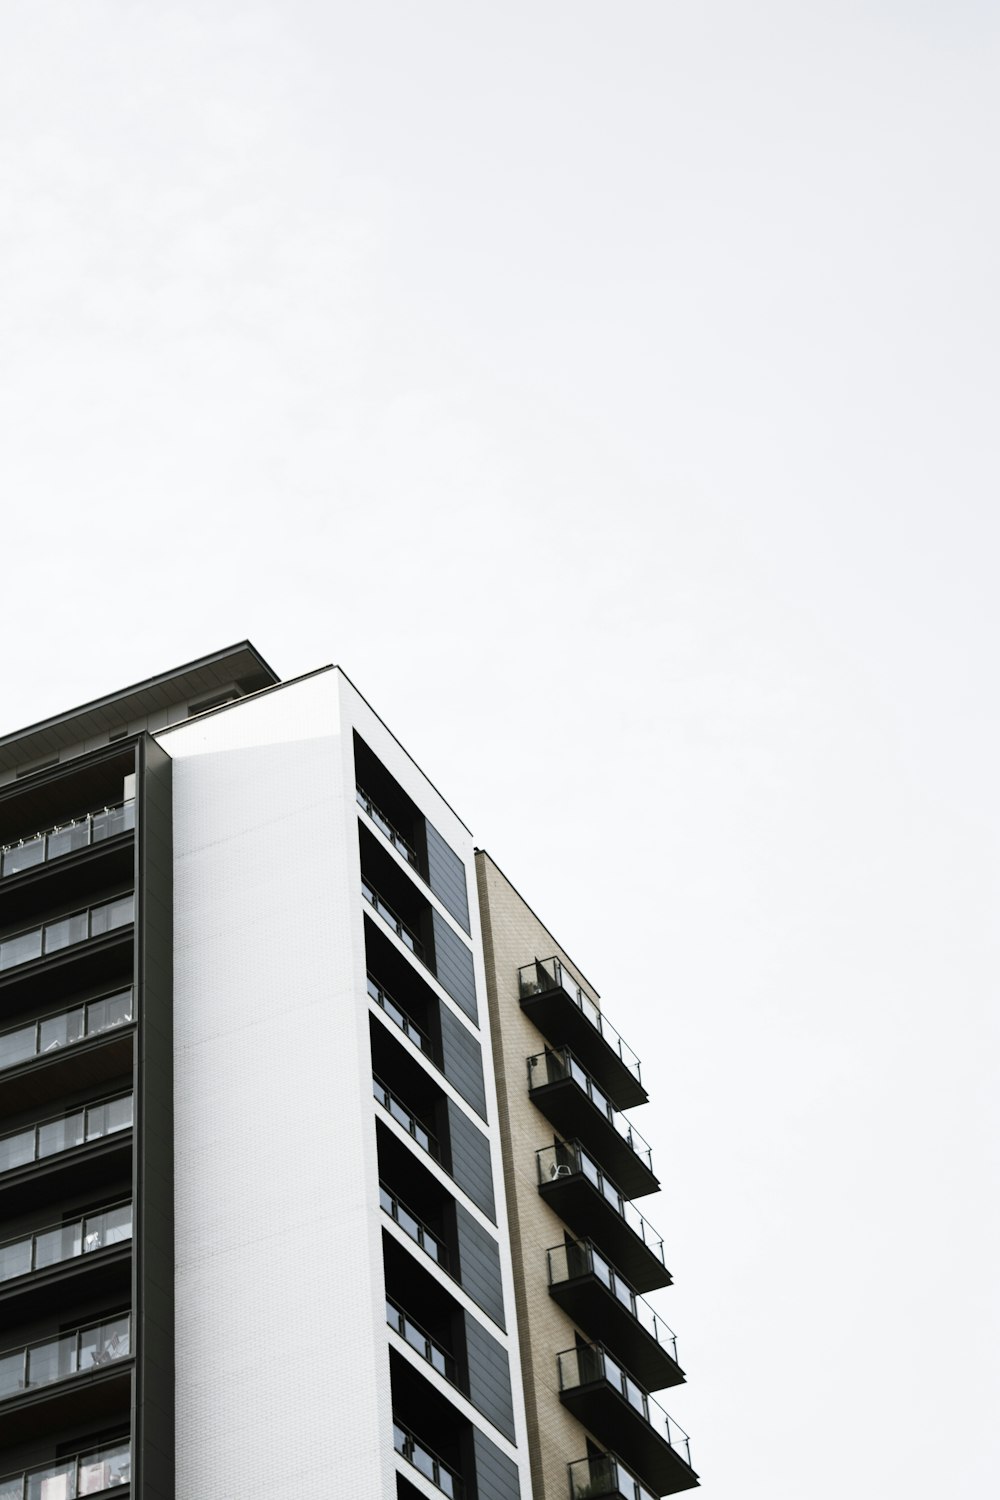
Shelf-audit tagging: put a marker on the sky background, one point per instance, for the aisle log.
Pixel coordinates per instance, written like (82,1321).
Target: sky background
(612,392)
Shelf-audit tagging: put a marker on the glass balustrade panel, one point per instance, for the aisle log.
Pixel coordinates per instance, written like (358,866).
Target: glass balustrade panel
(17,1150)
(54,1360)
(18,1046)
(55,1245)
(103,1470)
(24,856)
(66,840)
(106,1119)
(11,1373)
(60,1135)
(60,1031)
(65,933)
(20,949)
(112,1227)
(111,915)
(15,1259)
(57,1482)
(115,1010)
(104,1343)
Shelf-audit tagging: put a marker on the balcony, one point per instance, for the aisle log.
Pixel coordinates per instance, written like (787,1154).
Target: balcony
(587,1287)
(67,932)
(77,1024)
(437,1357)
(592,1205)
(59,1243)
(53,1137)
(619,1413)
(568,1096)
(605,1477)
(430,1243)
(89,1473)
(66,838)
(406,936)
(566,1015)
(65,1356)
(391,834)
(414,1128)
(425,1461)
(398,1016)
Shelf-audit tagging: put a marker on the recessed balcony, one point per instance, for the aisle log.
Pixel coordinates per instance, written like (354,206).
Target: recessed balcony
(416,1338)
(66,932)
(588,1288)
(570,1098)
(426,1239)
(395,923)
(64,1357)
(66,838)
(567,1016)
(49,1034)
(60,1243)
(90,1473)
(593,1206)
(405,1118)
(399,1017)
(51,1138)
(423,1458)
(390,833)
(621,1414)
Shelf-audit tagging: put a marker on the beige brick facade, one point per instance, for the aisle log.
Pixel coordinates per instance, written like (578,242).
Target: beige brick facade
(513,936)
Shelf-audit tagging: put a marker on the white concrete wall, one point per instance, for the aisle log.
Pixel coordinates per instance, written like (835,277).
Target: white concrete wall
(282,1366)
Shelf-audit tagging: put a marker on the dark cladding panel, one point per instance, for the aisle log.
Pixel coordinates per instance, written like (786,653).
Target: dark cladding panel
(496,1474)
(489,1376)
(462,1060)
(479,1265)
(453,967)
(470,1159)
(446,876)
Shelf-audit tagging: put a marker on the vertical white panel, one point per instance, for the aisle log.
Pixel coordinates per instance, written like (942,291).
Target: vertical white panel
(282,1368)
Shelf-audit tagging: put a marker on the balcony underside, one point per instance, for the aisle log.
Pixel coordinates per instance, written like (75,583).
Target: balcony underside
(581,1206)
(103,1165)
(563,1024)
(596,1309)
(69,972)
(616,1424)
(100,1278)
(58,881)
(577,1118)
(69,1070)
(84,1400)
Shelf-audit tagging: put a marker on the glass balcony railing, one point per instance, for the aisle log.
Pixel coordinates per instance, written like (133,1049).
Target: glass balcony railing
(405,1117)
(62,1242)
(556,1067)
(422,1342)
(65,1355)
(390,918)
(23,1043)
(67,1478)
(566,1262)
(50,1137)
(397,1015)
(430,1243)
(569,1160)
(603,1475)
(387,830)
(551,974)
(426,1461)
(67,932)
(589,1363)
(65,838)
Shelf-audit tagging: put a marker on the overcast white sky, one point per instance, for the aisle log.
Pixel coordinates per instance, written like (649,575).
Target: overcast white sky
(612,391)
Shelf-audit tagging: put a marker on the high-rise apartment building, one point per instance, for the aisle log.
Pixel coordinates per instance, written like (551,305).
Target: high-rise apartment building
(313,1176)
